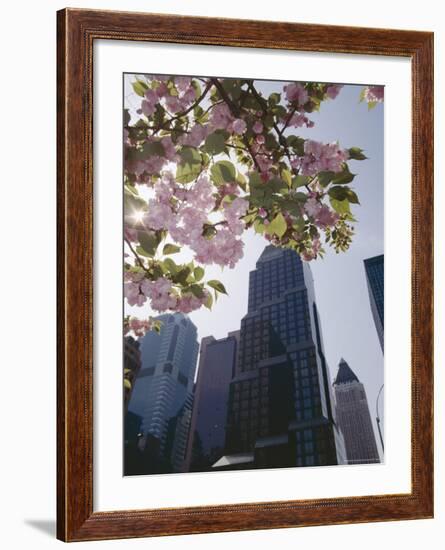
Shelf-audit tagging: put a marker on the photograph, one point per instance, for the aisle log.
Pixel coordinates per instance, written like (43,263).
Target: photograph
(253,268)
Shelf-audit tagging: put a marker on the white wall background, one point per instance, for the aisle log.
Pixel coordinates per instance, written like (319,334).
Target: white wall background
(28,77)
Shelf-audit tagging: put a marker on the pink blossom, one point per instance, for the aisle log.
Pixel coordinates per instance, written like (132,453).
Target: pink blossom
(196,136)
(173,104)
(221,117)
(374,94)
(311,254)
(333,90)
(138,326)
(148,104)
(239,126)
(295,92)
(319,157)
(262,213)
(223,248)
(169,148)
(189,302)
(182,83)
(134,294)
(260,139)
(158,215)
(200,195)
(228,189)
(159,293)
(258,127)
(232,214)
(312,207)
(325,217)
(298,120)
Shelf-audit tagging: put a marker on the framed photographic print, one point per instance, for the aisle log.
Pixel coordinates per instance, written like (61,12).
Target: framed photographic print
(245,224)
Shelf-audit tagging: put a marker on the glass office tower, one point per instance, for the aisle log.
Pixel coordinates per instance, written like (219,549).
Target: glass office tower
(163,391)
(208,429)
(374,268)
(280,402)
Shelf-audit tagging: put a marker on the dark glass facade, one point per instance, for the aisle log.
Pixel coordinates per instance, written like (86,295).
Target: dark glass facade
(374,268)
(280,405)
(208,430)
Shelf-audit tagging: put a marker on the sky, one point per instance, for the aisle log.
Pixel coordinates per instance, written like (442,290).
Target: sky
(340,282)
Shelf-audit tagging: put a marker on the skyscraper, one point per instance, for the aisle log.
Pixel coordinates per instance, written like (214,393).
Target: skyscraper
(280,403)
(165,385)
(374,268)
(208,430)
(353,417)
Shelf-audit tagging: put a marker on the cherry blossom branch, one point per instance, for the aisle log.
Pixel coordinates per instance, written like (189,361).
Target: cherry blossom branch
(236,113)
(136,255)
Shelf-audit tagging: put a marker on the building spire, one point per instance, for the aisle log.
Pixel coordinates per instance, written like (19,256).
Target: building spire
(345,374)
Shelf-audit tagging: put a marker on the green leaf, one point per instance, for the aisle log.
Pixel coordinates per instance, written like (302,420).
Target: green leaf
(190,166)
(171,249)
(170,265)
(198,272)
(142,252)
(297,144)
(215,143)
(259,226)
(197,291)
(183,275)
(217,285)
(341,193)
(343,177)
(277,226)
(341,207)
(325,178)
(287,177)
(223,172)
(209,301)
(356,153)
(148,241)
(153,148)
(274,99)
(139,87)
(127,384)
(371,105)
(300,181)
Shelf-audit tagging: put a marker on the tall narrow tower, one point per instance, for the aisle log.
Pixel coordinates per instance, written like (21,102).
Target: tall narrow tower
(374,268)
(163,391)
(280,403)
(354,418)
(208,429)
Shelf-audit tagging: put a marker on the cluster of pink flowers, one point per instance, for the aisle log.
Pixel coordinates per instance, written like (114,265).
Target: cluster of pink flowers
(374,94)
(322,214)
(186,216)
(138,326)
(312,253)
(319,157)
(162,297)
(333,90)
(296,93)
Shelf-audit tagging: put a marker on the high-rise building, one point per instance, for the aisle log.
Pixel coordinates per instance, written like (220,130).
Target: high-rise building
(208,430)
(374,268)
(280,401)
(165,385)
(354,418)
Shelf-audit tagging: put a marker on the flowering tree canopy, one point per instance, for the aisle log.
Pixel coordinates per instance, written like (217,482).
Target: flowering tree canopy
(207,159)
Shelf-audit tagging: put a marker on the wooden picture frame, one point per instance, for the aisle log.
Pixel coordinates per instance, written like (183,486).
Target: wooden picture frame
(77,31)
